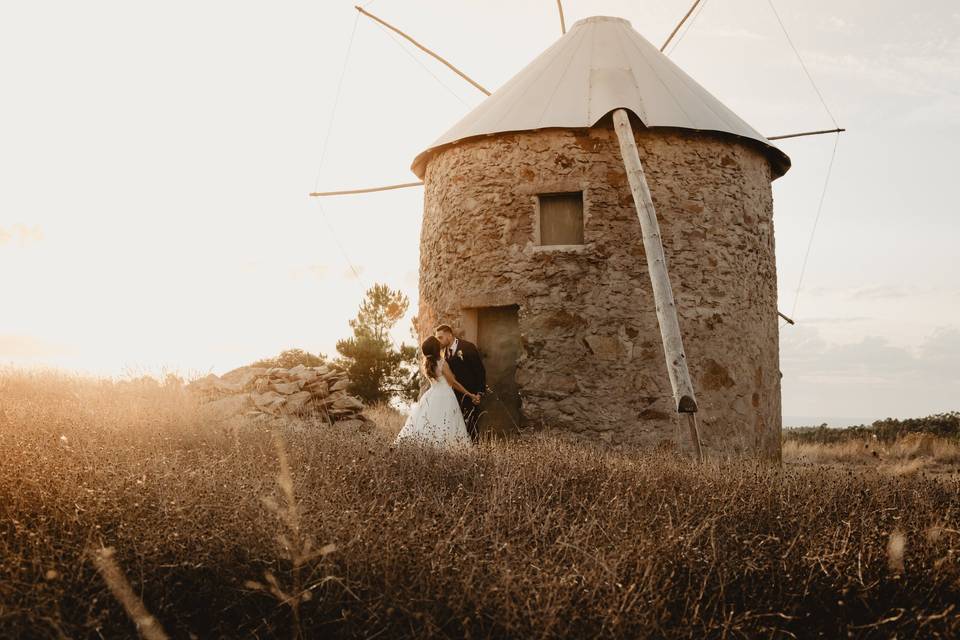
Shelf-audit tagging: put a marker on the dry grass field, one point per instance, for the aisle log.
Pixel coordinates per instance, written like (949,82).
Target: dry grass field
(929,445)
(122,512)
(911,454)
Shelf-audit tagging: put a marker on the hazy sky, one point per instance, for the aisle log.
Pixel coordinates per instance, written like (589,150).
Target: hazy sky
(155,160)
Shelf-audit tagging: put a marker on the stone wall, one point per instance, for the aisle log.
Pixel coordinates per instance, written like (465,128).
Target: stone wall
(593,364)
(279,396)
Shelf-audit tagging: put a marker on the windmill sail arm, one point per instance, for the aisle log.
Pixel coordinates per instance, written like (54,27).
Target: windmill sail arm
(805,133)
(347,192)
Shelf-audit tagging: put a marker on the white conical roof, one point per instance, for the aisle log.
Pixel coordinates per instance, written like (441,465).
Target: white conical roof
(601,64)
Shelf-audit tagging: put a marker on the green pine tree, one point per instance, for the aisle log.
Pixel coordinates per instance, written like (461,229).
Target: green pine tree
(377,369)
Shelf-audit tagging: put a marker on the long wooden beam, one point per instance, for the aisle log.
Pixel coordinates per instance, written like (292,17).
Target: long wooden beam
(389,187)
(683,395)
(677,28)
(805,133)
(422,48)
(789,320)
(563,25)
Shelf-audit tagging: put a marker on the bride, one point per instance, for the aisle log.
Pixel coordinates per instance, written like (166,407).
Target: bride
(436,419)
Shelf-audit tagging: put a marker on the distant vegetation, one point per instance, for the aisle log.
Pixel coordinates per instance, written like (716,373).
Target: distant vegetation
(941,425)
(379,371)
(929,444)
(291,358)
(119,501)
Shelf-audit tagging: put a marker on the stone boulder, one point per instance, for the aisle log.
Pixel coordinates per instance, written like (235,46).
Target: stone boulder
(308,394)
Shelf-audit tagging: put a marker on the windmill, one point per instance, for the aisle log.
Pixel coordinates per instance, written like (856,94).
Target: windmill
(593,170)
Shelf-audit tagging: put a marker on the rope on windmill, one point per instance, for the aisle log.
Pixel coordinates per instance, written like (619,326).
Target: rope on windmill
(816,220)
(837,130)
(336,101)
(680,24)
(803,65)
(423,66)
(323,152)
(424,49)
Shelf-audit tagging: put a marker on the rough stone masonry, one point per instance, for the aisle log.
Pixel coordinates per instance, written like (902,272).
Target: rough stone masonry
(279,396)
(592,364)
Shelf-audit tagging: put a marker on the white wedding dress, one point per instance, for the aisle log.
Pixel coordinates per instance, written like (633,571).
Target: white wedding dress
(436,419)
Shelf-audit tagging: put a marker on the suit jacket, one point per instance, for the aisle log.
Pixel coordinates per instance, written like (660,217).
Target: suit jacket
(467,366)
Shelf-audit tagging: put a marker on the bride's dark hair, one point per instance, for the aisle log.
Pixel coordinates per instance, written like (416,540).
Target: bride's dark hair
(431,356)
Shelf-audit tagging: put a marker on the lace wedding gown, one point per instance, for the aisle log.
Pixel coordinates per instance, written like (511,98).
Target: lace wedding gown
(436,419)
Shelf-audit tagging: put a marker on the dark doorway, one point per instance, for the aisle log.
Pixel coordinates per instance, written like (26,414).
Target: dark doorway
(498,339)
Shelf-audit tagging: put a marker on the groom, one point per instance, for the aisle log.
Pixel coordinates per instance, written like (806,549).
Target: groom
(464,361)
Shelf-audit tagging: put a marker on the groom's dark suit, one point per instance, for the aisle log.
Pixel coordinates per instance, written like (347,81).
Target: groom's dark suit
(464,361)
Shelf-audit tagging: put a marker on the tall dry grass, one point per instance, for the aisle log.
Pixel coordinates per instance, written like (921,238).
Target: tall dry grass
(532,538)
(389,420)
(916,450)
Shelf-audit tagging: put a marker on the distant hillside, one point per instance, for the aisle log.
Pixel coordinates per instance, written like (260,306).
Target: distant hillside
(944,425)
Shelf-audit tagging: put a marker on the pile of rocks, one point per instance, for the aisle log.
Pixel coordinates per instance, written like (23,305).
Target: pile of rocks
(278,393)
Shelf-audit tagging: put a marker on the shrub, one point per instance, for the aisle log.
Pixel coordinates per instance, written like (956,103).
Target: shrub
(942,425)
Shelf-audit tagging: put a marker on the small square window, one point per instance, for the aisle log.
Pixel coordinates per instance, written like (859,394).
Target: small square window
(561,218)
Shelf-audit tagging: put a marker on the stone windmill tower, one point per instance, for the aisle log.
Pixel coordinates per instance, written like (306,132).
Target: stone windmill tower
(602,227)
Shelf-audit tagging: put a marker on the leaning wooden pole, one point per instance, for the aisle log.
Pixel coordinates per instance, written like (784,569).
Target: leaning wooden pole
(683,395)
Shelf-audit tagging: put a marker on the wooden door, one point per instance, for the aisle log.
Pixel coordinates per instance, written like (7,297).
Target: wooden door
(498,339)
